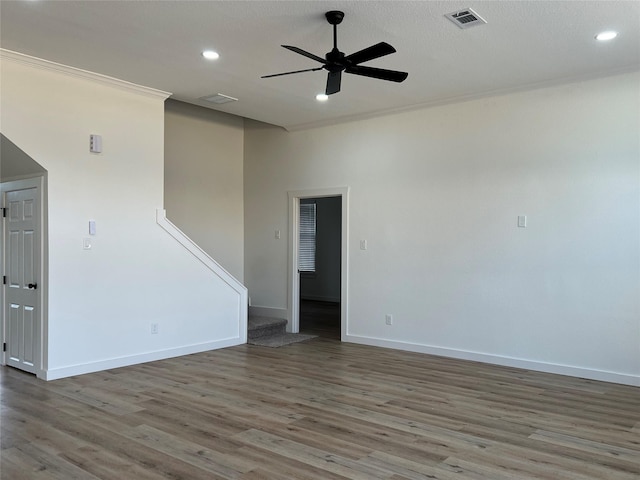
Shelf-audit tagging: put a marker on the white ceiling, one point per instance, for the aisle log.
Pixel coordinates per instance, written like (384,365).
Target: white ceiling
(159,43)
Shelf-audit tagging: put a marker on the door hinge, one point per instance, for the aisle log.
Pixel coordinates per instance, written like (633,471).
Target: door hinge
(4,347)
(4,212)
(4,279)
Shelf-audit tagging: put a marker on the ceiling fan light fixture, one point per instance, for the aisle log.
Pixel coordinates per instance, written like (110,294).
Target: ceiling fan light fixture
(608,35)
(322,97)
(210,55)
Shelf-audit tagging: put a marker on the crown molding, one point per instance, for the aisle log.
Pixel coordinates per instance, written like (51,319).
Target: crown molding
(465,98)
(8,55)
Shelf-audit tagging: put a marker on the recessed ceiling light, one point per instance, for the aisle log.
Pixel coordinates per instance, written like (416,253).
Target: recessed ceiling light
(603,36)
(210,55)
(321,97)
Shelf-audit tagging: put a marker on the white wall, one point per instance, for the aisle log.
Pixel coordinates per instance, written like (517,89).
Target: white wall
(203,180)
(436,192)
(102,301)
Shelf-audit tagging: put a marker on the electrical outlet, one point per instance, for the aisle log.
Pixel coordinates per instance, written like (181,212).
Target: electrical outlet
(154,328)
(388,319)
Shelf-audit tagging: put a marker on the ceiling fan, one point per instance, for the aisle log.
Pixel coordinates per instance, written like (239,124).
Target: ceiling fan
(336,62)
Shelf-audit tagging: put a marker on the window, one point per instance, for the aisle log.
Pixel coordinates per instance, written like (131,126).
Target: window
(307,252)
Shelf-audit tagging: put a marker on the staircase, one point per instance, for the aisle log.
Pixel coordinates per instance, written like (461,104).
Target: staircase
(265,327)
(271,332)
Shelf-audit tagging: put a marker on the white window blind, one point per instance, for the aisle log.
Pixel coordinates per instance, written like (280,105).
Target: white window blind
(307,248)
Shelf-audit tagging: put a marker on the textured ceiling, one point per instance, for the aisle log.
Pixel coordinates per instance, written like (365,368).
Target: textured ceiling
(158,44)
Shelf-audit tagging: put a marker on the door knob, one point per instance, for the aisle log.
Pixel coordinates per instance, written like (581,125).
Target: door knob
(32,286)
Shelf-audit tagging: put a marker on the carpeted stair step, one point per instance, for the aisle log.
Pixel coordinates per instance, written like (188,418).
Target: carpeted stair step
(261,327)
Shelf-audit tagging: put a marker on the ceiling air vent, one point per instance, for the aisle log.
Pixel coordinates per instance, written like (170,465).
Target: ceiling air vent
(466,18)
(218,99)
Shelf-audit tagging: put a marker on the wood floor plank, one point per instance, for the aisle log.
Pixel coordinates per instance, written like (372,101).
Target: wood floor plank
(400,467)
(50,439)
(105,465)
(372,437)
(189,423)
(205,457)
(315,437)
(528,447)
(589,446)
(105,398)
(34,463)
(311,455)
(481,470)
(276,466)
(558,464)
(318,410)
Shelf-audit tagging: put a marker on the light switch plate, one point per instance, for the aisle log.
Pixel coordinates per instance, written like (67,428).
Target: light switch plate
(522,221)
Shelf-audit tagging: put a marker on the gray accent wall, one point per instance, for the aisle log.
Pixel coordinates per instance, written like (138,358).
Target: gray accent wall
(203,185)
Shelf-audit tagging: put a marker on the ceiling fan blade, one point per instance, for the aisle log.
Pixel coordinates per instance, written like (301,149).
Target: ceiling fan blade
(380,73)
(295,71)
(374,51)
(305,53)
(333,82)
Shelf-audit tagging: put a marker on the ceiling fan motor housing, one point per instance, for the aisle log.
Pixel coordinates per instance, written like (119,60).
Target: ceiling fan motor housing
(335,61)
(334,17)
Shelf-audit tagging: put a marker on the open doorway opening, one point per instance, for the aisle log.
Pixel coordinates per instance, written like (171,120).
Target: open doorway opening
(318,256)
(320,237)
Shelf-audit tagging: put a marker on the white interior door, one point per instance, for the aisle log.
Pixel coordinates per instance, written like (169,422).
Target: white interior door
(22,269)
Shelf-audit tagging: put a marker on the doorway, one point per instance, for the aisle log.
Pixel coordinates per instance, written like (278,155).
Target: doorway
(319,266)
(318,293)
(22,254)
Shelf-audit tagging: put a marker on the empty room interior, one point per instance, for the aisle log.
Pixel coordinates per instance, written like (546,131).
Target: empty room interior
(320,240)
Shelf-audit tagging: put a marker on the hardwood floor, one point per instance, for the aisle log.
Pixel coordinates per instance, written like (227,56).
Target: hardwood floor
(320,318)
(317,410)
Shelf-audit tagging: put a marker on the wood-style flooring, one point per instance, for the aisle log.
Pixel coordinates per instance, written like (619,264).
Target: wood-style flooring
(320,318)
(317,410)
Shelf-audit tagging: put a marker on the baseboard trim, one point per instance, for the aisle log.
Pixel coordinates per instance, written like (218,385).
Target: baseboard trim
(70,371)
(579,372)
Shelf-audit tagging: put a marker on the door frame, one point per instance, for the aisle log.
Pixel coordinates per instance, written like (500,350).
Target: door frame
(294,277)
(37,182)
